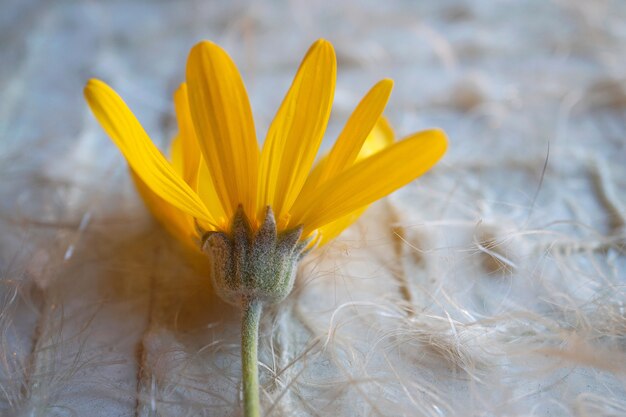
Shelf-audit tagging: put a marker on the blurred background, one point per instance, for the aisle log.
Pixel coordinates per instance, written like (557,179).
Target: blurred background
(492,286)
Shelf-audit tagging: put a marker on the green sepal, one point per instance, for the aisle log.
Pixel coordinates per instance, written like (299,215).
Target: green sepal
(254,266)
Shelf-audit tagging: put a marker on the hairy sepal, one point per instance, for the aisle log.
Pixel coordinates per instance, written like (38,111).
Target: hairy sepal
(248,265)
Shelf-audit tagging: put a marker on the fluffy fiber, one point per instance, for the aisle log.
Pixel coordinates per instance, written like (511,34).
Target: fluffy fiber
(494,286)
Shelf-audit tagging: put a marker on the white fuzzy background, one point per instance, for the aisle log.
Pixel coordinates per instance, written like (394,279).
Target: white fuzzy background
(493,286)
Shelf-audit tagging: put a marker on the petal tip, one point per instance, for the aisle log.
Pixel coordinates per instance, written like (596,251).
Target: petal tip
(205,47)
(180,93)
(93,83)
(384,86)
(204,44)
(322,45)
(321,41)
(94,88)
(387,82)
(441,139)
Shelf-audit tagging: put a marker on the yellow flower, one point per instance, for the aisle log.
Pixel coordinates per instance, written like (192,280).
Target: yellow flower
(258,211)
(216,164)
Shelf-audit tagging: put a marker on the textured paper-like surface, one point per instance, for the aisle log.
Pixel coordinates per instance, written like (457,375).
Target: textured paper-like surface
(493,286)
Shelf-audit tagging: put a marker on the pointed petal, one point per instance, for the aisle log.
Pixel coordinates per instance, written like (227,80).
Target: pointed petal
(380,137)
(357,129)
(207,192)
(177,156)
(195,170)
(333,229)
(223,123)
(190,152)
(143,157)
(178,223)
(295,134)
(369,180)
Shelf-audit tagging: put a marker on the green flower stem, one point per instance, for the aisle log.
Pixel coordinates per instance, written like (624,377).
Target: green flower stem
(249,356)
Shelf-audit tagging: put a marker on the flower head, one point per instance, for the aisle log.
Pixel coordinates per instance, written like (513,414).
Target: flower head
(255,212)
(216,165)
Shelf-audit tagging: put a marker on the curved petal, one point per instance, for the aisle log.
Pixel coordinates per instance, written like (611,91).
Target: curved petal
(177,157)
(223,122)
(380,137)
(296,132)
(189,150)
(359,125)
(176,222)
(207,192)
(369,180)
(194,169)
(330,231)
(143,157)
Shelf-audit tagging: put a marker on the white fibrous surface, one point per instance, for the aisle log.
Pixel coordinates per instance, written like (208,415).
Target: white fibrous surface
(495,285)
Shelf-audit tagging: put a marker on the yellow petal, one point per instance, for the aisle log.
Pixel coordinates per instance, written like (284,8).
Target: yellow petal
(176,222)
(208,194)
(201,183)
(359,125)
(379,138)
(195,170)
(189,149)
(143,157)
(177,157)
(333,229)
(223,123)
(369,180)
(296,132)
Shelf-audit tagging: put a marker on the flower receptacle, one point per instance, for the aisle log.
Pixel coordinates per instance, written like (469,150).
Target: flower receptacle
(248,265)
